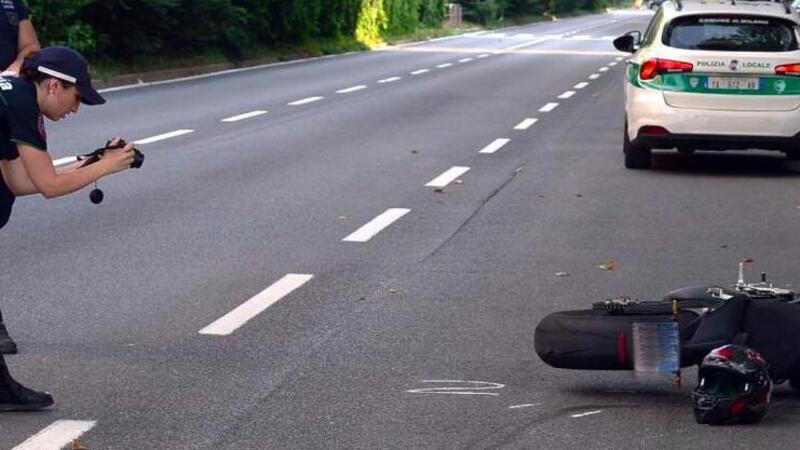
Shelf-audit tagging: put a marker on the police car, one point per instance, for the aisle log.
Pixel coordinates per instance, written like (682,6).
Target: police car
(713,75)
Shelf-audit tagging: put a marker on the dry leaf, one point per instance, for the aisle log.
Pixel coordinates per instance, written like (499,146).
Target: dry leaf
(561,274)
(414,152)
(459,182)
(392,291)
(748,260)
(723,246)
(76,445)
(438,190)
(579,195)
(608,265)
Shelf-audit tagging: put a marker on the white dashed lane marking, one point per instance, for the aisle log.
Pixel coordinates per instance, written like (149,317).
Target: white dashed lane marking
(420,71)
(161,137)
(612,64)
(602,69)
(465,60)
(594,76)
(548,107)
(305,101)
(56,436)
(526,405)
(351,89)
(580,85)
(484,55)
(442,66)
(376,225)
(525,124)
(447,177)
(244,116)
(390,80)
(495,146)
(232,321)
(567,94)
(588,413)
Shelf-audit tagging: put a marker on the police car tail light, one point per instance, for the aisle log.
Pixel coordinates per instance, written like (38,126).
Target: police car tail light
(788,69)
(656,66)
(652,130)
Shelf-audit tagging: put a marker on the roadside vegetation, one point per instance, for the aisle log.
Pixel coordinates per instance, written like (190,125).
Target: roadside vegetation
(123,36)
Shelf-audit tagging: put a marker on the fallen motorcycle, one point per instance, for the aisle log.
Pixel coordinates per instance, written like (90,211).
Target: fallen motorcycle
(677,331)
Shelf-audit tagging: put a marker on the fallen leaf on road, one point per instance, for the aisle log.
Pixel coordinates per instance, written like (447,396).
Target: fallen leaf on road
(414,152)
(459,182)
(392,291)
(579,195)
(748,260)
(608,265)
(561,274)
(438,190)
(76,445)
(723,246)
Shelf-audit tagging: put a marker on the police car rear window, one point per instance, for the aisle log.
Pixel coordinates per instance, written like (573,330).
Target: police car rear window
(731,33)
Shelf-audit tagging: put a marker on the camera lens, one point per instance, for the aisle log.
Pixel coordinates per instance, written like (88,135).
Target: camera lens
(138,159)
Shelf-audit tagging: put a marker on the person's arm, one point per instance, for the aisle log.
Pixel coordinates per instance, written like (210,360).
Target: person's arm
(28,43)
(37,174)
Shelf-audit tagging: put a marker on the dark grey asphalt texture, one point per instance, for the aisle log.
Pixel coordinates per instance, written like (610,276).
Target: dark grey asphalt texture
(106,301)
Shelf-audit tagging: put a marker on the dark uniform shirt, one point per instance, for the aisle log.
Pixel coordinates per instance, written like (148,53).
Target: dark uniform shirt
(14,11)
(21,122)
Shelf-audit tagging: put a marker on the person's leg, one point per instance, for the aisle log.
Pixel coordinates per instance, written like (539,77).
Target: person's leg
(7,345)
(16,397)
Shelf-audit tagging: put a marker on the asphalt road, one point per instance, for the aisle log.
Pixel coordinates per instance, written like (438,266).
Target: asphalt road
(361,340)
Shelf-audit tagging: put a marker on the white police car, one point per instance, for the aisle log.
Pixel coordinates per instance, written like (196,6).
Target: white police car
(713,75)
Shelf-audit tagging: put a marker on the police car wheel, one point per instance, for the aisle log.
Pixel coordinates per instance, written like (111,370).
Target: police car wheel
(636,156)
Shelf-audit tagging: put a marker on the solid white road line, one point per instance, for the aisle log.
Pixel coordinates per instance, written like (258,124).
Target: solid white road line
(580,85)
(65,160)
(161,137)
(588,413)
(377,224)
(465,60)
(581,37)
(244,116)
(495,146)
(352,89)
(447,177)
(548,107)
(442,66)
(567,94)
(594,76)
(389,80)
(232,321)
(305,101)
(525,124)
(420,71)
(56,436)
(602,69)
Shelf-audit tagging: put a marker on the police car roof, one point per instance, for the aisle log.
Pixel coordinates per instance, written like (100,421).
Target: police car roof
(762,8)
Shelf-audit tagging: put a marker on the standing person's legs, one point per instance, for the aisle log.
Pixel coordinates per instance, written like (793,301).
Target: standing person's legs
(16,397)
(7,345)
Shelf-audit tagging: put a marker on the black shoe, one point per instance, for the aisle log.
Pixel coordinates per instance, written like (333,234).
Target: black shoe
(7,345)
(16,397)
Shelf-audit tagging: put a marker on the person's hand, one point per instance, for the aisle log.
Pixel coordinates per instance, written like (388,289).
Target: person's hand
(117,160)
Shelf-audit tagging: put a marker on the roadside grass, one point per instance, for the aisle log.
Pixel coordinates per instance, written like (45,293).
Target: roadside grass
(154,67)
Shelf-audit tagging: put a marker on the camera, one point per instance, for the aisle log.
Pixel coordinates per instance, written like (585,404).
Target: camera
(93,157)
(96,196)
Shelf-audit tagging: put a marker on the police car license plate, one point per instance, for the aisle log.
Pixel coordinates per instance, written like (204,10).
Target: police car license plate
(733,83)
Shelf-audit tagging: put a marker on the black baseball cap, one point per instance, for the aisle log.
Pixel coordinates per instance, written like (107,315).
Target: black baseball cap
(68,65)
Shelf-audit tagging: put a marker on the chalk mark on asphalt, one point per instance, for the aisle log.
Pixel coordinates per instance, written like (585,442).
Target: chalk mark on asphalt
(467,388)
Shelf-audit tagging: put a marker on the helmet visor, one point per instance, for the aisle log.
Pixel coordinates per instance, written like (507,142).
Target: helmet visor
(722,383)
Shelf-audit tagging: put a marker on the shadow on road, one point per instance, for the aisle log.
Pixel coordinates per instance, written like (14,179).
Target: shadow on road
(763,164)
